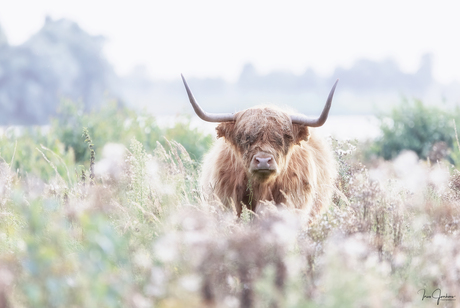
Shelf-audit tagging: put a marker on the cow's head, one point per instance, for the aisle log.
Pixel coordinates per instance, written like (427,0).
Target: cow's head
(262,136)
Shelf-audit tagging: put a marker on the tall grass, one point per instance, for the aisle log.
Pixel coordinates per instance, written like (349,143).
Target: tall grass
(143,235)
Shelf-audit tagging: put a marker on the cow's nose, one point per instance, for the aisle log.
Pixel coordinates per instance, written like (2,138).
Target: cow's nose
(262,162)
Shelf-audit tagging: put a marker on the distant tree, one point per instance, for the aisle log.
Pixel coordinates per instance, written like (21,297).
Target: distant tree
(249,78)
(279,81)
(368,76)
(60,61)
(3,39)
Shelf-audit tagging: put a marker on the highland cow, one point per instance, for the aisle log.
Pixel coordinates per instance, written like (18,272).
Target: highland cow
(265,154)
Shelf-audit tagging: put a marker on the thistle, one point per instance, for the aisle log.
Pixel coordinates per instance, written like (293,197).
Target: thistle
(92,154)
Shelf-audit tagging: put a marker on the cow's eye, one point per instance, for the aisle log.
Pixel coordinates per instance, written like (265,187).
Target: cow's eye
(278,141)
(288,138)
(249,139)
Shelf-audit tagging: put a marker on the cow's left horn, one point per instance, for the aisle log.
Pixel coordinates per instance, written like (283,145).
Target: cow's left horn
(303,120)
(209,117)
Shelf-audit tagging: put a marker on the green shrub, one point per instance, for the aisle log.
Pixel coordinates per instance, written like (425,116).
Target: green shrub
(115,123)
(416,127)
(31,150)
(110,123)
(195,142)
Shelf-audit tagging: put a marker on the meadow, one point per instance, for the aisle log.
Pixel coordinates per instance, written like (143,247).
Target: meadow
(104,209)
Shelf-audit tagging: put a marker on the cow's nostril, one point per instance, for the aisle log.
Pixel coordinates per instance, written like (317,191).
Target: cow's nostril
(263,162)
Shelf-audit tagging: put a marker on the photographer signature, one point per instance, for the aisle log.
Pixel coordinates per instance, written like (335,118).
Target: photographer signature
(437,296)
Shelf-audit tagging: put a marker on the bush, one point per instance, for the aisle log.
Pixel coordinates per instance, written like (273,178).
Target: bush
(116,123)
(416,127)
(110,123)
(31,150)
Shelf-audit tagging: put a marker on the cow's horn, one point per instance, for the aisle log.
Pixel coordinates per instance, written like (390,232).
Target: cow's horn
(209,117)
(303,120)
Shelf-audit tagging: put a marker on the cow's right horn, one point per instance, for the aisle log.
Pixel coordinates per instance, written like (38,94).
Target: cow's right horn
(209,117)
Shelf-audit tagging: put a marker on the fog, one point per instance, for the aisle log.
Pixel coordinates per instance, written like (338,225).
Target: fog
(63,61)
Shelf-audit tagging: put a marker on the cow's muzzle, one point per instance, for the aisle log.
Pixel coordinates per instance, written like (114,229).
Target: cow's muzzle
(263,165)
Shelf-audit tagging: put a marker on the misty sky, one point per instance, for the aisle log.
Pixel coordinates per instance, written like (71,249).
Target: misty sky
(207,38)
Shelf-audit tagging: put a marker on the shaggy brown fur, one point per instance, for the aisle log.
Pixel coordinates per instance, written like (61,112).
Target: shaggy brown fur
(306,169)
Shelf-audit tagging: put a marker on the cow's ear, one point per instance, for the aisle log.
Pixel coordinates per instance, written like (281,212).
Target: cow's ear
(301,133)
(225,130)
